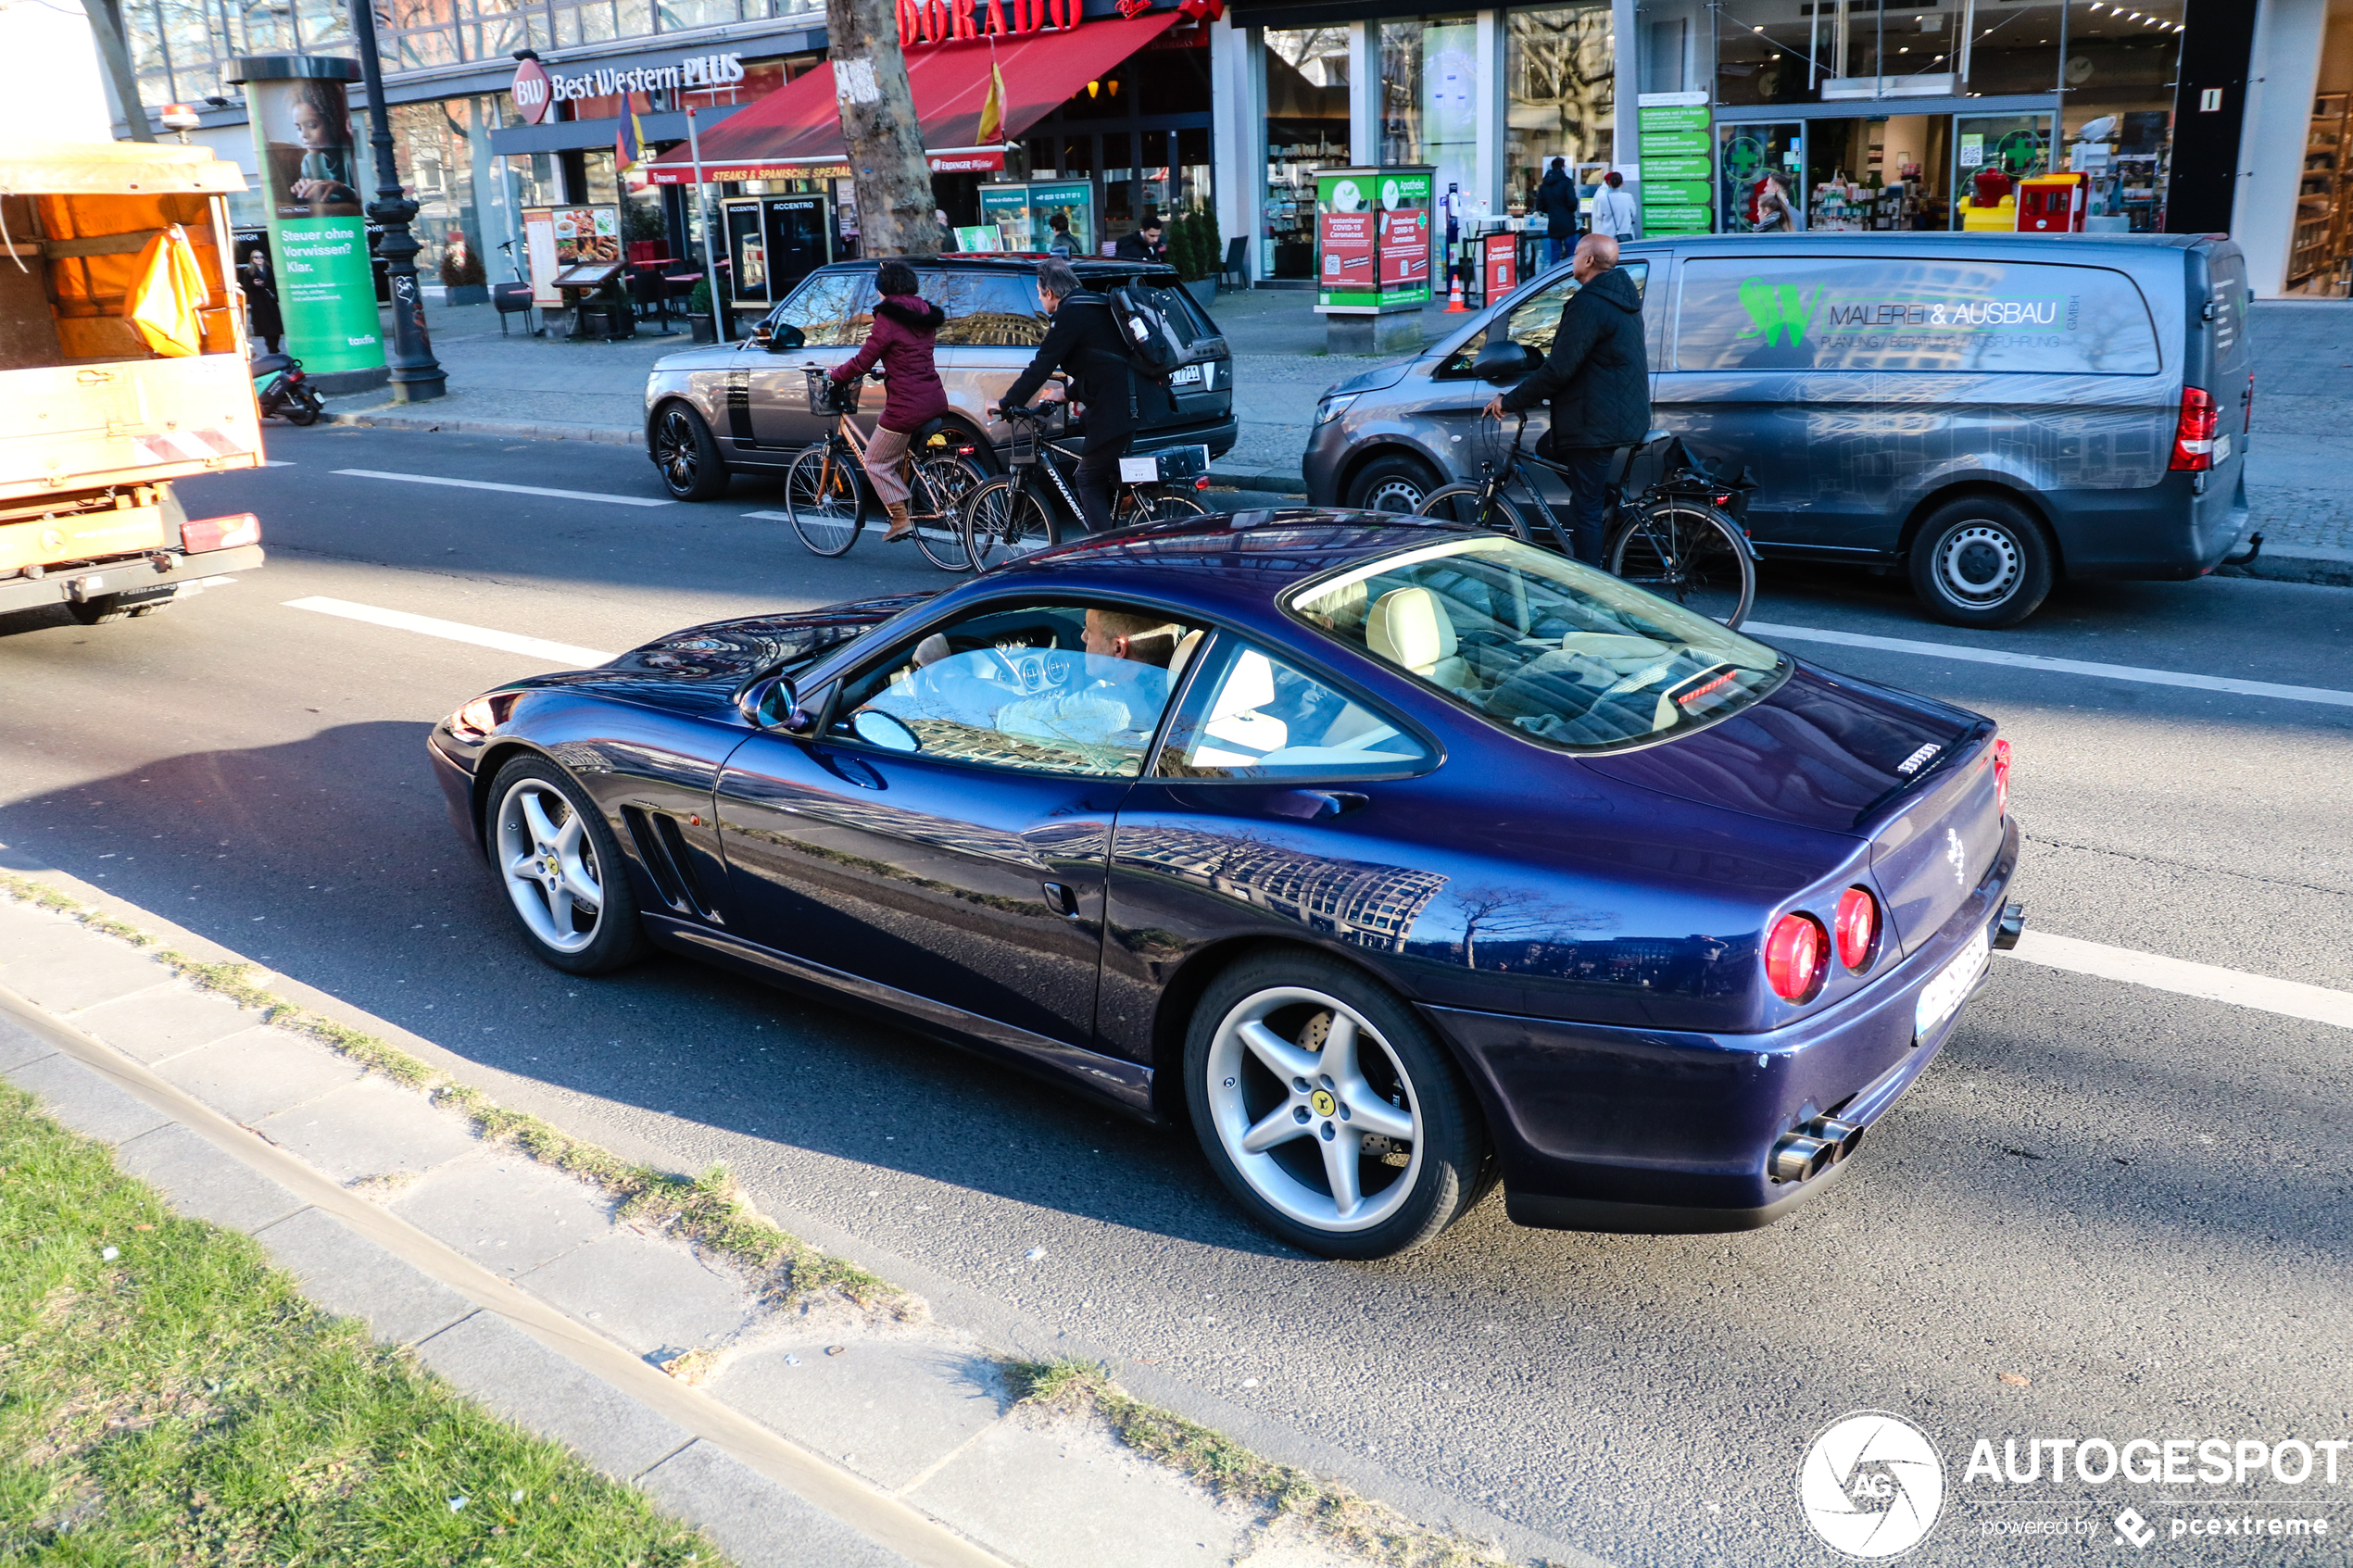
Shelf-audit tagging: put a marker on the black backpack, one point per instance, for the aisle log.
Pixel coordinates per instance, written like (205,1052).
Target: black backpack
(1148,318)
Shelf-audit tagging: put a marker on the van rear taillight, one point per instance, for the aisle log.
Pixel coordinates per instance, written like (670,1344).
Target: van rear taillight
(2194,435)
(2246,420)
(219,533)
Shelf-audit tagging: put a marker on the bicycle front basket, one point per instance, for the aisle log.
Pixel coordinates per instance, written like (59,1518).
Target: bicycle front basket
(826,397)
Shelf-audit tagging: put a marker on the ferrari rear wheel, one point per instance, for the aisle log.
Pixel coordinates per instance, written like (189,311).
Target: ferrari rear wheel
(1328,1109)
(562,870)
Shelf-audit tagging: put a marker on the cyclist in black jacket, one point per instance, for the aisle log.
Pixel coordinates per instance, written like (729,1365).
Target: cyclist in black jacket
(1084,342)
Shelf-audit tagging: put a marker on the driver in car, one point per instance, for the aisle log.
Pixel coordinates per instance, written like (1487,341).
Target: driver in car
(1108,692)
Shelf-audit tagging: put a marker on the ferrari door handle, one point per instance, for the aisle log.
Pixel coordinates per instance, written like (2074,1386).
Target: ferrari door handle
(1061,898)
(1315,804)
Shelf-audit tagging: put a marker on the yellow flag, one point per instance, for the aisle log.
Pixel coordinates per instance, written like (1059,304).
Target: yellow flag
(992,108)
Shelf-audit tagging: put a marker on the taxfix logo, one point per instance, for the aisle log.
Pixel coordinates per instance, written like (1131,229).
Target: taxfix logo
(1871,1485)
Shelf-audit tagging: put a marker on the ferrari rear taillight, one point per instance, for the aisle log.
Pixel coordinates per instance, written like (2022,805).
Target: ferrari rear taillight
(219,533)
(1793,956)
(1857,927)
(2194,434)
(2002,777)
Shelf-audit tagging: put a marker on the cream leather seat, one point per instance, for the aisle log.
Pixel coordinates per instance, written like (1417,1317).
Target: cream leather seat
(1409,628)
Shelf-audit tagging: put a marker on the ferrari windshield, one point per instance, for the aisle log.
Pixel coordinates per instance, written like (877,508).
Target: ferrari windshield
(1556,651)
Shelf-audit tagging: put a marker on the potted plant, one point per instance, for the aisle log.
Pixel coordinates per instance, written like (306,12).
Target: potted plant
(462,274)
(1196,252)
(698,319)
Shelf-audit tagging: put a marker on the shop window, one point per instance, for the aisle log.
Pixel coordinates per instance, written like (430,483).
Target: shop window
(1175,81)
(1430,97)
(1929,314)
(1110,97)
(1306,112)
(1560,72)
(676,15)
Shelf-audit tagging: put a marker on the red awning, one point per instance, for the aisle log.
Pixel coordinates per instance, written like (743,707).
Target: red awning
(798,128)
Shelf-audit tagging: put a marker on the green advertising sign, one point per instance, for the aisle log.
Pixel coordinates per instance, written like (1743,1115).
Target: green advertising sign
(1075,199)
(1006,208)
(326,282)
(1373,239)
(1679,166)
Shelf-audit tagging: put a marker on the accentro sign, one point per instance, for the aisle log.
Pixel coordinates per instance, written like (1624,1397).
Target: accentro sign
(535,89)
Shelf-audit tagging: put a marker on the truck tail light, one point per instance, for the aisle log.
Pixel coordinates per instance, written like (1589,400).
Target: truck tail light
(2002,777)
(2194,435)
(1793,956)
(1858,927)
(219,533)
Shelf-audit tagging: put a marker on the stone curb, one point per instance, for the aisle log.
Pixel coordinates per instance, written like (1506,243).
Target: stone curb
(496,1271)
(601,435)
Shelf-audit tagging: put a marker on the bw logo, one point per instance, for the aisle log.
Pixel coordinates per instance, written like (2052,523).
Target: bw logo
(1779,313)
(1871,1486)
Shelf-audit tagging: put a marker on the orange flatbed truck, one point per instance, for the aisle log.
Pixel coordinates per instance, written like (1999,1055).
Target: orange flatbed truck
(100,412)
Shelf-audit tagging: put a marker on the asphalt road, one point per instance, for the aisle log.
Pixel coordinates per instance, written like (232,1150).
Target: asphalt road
(2133,1202)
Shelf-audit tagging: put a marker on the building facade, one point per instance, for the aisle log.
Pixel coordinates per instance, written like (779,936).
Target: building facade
(2181,115)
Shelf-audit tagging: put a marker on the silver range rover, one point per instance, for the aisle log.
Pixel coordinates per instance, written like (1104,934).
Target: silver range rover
(743,407)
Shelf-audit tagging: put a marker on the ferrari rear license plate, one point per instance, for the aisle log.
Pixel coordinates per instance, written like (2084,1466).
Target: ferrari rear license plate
(1942,996)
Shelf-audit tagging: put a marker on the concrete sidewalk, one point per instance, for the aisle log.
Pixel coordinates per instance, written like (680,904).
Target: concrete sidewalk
(795,1426)
(578,390)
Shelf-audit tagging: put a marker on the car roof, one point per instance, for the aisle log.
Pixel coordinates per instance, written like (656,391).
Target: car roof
(1022,261)
(1912,239)
(1235,562)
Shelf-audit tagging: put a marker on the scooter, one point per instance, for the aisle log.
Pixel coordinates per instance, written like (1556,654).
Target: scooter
(284,391)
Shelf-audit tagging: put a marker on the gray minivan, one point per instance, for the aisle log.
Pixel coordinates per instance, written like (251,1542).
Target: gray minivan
(1989,412)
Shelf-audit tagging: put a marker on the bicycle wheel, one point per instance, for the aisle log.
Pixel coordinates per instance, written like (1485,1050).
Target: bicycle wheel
(1002,524)
(1137,510)
(1468,504)
(1689,552)
(825,497)
(942,485)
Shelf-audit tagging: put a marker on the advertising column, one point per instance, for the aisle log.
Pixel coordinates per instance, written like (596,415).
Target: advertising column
(309,183)
(1678,164)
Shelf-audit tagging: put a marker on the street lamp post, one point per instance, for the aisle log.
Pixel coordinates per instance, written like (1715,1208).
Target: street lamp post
(417,376)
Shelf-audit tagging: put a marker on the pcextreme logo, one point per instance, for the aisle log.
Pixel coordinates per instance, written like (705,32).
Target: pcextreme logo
(1871,1485)
(1779,313)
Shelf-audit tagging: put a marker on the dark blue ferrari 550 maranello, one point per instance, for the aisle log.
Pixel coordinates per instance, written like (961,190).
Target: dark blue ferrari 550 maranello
(1398,858)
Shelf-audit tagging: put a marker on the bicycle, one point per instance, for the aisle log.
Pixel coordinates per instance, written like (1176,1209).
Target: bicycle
(1010,515)
(829,495)
(1672,538)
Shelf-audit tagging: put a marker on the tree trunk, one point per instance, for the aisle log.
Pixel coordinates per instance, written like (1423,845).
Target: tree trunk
(896,212)
(106,24)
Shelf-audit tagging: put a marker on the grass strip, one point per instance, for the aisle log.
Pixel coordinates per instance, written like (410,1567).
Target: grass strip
(1355,1523)
(168,1397)
(708,1209)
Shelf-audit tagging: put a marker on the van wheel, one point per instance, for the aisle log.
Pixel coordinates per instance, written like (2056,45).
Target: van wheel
(1391,485)
(1981,561)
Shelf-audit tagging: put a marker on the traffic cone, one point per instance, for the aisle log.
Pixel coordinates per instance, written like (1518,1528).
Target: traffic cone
(1456,302)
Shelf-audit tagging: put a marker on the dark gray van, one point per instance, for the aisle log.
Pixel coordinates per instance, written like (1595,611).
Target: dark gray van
(1989,412)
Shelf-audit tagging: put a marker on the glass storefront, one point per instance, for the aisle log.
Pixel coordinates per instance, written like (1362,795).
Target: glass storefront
(1560,84)
(1430,97)
(1306,113)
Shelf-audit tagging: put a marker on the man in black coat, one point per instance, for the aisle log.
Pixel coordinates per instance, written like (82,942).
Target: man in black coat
(1598,379)
(1084,342)
(1556,203)
(1145,243)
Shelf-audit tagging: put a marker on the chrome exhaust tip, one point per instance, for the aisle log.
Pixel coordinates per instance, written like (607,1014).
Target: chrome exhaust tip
(2010,926)
(1798,1157)
(1841,1135)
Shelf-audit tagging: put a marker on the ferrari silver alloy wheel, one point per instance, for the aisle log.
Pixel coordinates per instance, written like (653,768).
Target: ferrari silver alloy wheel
(550,866)
(1314,1109)
(1978,565)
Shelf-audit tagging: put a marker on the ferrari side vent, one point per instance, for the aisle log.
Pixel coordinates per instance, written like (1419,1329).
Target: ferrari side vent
(663,850)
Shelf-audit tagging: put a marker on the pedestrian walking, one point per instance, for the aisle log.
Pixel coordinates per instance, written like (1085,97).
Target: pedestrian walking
(1084,342)
(261,298)
(1774,214)
(1598,378)
(905,332)
(1144,244)
(1613,212)
(1557,201)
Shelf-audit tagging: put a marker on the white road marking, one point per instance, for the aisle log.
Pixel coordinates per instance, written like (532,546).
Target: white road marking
(276,463)
(872,525)
(2290,998)
(511,489)
(2056,666)
(563,654)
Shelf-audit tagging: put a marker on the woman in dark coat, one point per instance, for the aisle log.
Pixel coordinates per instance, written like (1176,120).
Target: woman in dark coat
(261,299)
(906,326)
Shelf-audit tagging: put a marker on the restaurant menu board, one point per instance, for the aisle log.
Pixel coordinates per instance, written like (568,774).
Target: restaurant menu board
(1678,169)
(1372,239)
(561,237)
